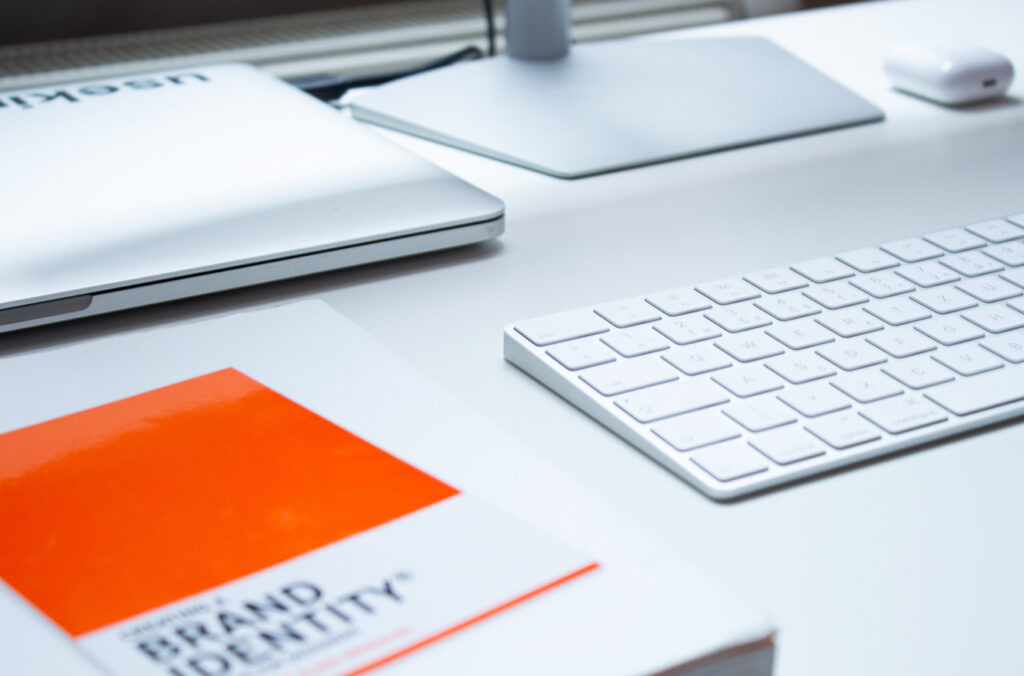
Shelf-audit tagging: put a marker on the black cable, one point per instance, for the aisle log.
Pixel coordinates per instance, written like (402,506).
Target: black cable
(461,55)
(331,87)
(492,48)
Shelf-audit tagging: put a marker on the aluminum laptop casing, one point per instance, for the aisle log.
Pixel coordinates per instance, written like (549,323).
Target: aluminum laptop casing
(132,191)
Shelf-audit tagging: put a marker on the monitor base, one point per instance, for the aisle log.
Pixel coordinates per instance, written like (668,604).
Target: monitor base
(618,104)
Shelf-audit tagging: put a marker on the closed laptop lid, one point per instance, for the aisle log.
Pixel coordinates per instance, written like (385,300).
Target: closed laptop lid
(126,181)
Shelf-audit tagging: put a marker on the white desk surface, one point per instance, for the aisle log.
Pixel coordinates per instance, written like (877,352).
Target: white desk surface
(908,565)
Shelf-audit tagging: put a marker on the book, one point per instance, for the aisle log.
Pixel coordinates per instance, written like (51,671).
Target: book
(272,492)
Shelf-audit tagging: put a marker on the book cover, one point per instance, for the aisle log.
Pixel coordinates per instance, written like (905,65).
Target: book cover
(215,527)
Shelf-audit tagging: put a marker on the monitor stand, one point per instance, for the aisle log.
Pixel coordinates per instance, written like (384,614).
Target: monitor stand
(613,105)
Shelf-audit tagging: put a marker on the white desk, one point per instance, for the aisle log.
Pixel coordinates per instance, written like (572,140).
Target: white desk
(908,565)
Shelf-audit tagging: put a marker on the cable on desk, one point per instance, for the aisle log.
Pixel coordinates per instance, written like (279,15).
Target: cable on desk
(492,48)
(328,87)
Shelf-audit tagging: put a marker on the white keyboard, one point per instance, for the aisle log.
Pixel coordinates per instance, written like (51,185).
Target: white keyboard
(748,382)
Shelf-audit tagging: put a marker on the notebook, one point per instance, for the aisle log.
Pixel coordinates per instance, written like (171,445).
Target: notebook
(272,492)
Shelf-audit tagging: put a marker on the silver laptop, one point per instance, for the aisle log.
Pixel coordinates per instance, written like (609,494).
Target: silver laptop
(137,190)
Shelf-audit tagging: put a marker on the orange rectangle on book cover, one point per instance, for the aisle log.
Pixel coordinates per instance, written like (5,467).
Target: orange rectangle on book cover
(125,507)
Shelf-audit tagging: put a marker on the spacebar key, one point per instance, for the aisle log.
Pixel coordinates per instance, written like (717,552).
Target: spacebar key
(981,392)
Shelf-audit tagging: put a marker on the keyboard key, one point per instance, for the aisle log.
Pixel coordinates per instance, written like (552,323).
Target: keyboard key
(725,291)
(630,312)
(1010,253)
(1017,219)
(944,300)
(788,445)
(636,341)
(869,259)
(913,249)
(949,330)
(736,318)
(821,270)
(971,263)
(801,367)
(687,329)
(563,326)
(747,381)
(730,461)
(980,393)
(968,360)
(897,311)
(697,359)
(901,342)
(927,274)
(749,347)
(623,376)
(1010,346)
(776,280)
(882,284)
(814,399)
(1016,305)
(694,430)
(995,318)
(800,334)
(788,306)
(918,372)
(903,414)
(664,401)
(867,386)
(835,295)
(760,413)
(851,355)
(844,430)
(849,323)
(679,302)
(1014,276)
(988,289)
(955,240)
(580,354)
(997,230)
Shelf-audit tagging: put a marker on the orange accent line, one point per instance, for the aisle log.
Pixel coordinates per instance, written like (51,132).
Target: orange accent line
(471,621)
